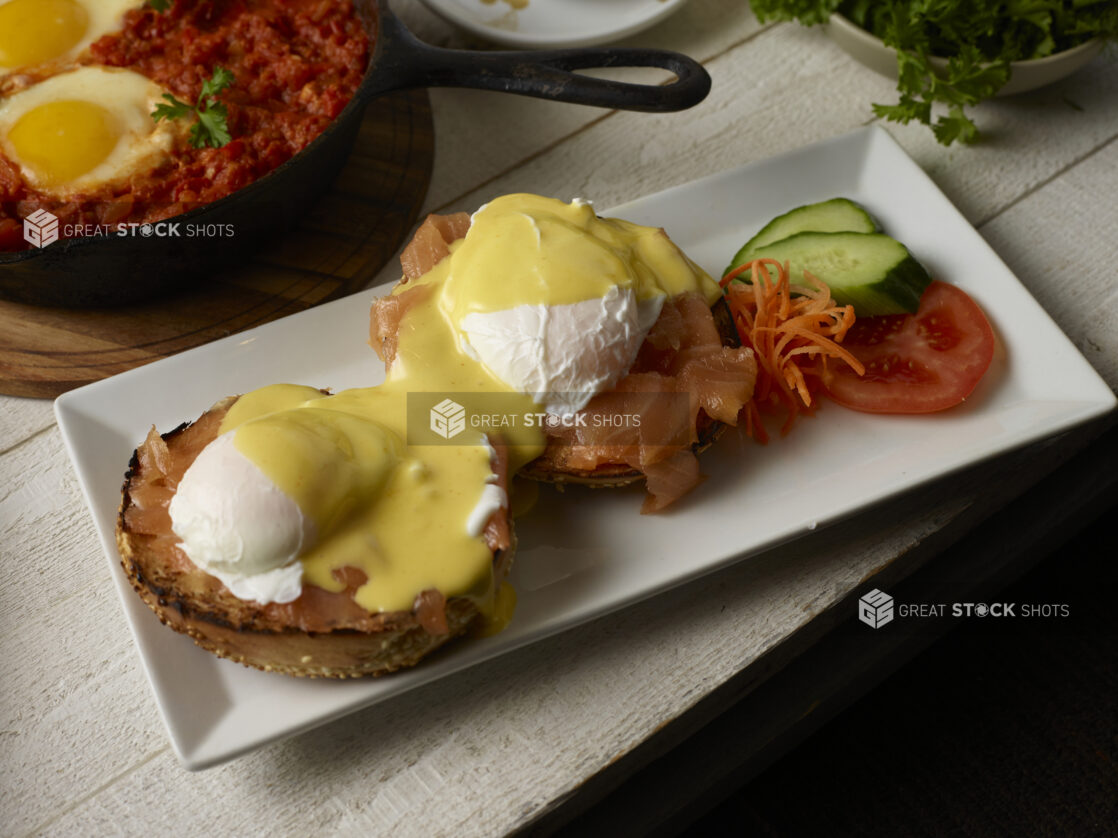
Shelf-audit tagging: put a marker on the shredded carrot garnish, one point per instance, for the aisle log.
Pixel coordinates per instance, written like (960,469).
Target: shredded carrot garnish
(794,331)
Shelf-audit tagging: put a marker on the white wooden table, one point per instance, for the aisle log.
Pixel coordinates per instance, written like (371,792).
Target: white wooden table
(82,749)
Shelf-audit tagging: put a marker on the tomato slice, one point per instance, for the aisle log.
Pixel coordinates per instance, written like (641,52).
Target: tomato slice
(916,363)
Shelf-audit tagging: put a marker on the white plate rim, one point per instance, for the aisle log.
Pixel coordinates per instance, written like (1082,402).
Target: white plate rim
(80,411)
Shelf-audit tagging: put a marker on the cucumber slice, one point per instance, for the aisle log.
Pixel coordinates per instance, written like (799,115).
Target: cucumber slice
(838,215)
(872,272)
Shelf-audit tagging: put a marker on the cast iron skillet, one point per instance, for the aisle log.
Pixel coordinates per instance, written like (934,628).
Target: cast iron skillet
(109,270)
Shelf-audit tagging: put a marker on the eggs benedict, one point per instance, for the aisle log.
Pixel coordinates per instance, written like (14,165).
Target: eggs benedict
(352,534)
(604,325)
(283,530)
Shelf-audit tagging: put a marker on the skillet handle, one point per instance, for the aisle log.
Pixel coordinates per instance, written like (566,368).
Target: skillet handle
(406,62)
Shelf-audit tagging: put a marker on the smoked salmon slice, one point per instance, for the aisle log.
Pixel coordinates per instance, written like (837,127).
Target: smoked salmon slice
(722,382)
(670,479)
(385,317)
(431,243)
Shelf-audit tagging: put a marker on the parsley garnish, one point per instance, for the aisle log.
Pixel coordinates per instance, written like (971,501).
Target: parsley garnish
(160,5)
(212,127)
(978,40)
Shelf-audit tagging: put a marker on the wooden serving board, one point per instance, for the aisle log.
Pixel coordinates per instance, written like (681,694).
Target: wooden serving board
(345,240)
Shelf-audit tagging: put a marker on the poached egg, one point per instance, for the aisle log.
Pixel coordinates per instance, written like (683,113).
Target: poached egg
(551,299)
(298,485)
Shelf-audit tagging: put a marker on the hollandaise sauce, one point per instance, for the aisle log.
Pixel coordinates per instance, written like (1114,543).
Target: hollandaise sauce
(542,299)
(530,250)
(398,513)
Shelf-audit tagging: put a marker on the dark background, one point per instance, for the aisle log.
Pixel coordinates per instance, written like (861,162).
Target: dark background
(993,727)
(999,728)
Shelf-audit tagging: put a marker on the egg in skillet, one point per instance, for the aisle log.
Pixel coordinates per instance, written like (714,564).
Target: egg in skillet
(37,31)
(92,126)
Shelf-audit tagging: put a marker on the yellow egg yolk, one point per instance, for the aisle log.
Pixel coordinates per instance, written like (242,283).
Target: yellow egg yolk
(33,31)
(61,141)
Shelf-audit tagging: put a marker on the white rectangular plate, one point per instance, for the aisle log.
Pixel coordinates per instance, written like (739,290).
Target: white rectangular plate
(579,560)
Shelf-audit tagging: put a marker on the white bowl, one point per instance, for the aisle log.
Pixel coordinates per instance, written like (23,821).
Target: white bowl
(1023,76)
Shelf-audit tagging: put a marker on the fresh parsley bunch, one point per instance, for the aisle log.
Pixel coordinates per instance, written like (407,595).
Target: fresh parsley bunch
(977,39)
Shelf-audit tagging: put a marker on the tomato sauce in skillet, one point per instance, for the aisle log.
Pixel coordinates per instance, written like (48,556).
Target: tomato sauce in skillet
(296,64)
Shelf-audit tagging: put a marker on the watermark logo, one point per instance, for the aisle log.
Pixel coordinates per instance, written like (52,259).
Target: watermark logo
(878,608)
(448,419)
(875,609)
(43,228)
(40,229)
(462,418)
